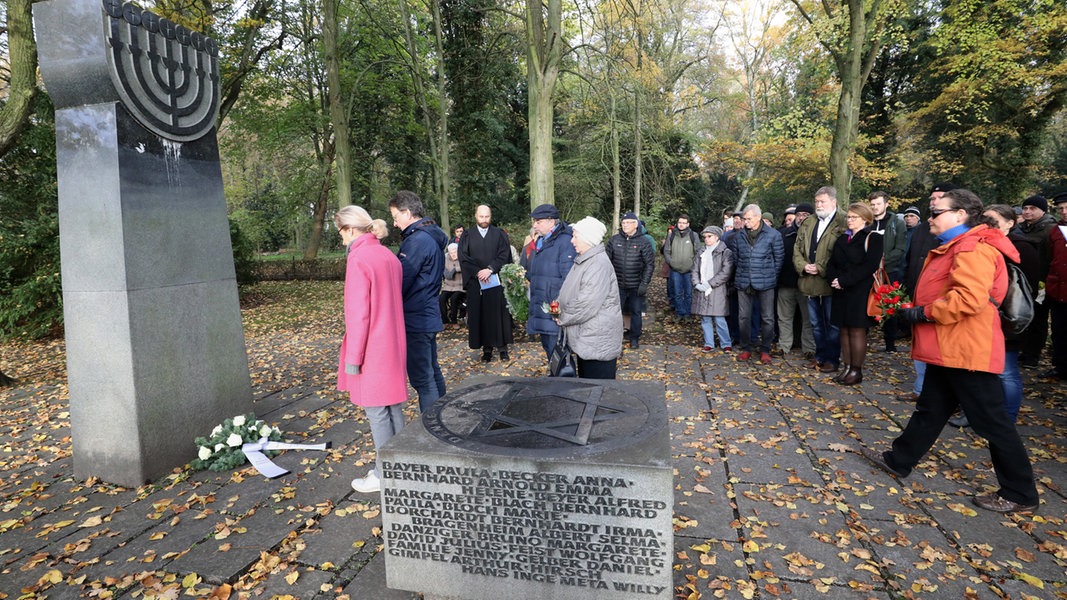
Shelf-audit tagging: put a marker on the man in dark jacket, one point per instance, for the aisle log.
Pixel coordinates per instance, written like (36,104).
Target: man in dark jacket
(634,260)
(550,262)
(758,255)
(1056,290)
(422,257)
(790,300)
(1035,228)
(482,253)
(894,237)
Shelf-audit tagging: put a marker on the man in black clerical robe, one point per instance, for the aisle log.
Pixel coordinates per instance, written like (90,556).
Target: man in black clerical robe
(483,250)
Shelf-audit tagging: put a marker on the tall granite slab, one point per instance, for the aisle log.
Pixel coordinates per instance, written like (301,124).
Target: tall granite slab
(155,349)
(541,488)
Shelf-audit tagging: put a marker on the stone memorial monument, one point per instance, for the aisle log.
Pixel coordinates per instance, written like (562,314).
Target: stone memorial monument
(155,349)
(541,488)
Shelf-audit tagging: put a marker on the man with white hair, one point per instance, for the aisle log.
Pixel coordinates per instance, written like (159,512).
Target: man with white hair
(758,255)
(815,241)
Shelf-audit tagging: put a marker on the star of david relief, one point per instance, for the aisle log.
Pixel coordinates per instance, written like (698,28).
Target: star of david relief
(544,417)
(513,418)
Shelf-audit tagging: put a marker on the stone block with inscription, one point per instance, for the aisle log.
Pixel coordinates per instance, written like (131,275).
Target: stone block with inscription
(532,488)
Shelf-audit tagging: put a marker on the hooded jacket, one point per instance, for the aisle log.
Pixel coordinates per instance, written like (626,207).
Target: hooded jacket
(958,283)
(422,255)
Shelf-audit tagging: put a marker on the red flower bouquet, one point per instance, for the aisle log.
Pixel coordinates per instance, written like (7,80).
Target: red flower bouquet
(890,299)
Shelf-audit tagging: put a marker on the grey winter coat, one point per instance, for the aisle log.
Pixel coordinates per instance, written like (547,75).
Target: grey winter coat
(714,303)
(589,307)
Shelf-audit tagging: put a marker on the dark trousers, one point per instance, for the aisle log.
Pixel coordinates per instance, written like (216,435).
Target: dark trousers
(633,303)
(1036,334)
(827,335)
(889,329)
(596,369)
(424,372)
(982,398)
(452,306)
(746,303)
(1058,310)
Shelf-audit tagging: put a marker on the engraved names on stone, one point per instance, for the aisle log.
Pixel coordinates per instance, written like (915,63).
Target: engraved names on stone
(594,532)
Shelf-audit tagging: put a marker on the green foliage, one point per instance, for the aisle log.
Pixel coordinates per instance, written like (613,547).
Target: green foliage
(30,287)
(244,255)
(516,291)
(221,450)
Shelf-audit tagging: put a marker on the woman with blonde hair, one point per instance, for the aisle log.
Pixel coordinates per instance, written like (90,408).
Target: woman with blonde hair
(371,367)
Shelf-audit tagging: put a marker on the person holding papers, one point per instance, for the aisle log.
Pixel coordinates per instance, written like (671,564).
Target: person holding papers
(483,250)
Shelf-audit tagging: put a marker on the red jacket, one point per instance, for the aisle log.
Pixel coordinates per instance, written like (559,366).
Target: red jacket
(1056,283)
(956,286)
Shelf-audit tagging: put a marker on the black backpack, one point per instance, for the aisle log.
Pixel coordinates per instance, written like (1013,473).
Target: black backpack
(1017,309)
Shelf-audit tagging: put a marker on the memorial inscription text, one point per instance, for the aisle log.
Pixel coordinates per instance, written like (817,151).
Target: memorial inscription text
(528,526)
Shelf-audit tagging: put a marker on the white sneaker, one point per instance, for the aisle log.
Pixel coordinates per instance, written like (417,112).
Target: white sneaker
(367,485)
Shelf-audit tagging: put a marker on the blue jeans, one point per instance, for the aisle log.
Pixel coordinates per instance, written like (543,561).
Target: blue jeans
(827,335)
(682,285)
(920,375)
(632,302)
(548,342)
(713,325)
(385,422)
(424,372)
(1012,381)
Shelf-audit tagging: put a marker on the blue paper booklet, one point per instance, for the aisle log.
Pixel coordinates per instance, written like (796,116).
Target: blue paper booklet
(494,281)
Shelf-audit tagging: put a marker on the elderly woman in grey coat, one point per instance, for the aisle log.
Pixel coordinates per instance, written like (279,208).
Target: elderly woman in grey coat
(713,267)
(590,313)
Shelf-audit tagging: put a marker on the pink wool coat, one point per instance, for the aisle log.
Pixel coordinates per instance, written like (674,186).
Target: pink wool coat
(374,326)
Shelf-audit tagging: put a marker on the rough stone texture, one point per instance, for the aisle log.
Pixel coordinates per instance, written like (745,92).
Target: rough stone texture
(155,350)
(540,520)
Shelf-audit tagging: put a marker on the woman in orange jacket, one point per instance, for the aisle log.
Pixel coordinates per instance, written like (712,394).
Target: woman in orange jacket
(957,333)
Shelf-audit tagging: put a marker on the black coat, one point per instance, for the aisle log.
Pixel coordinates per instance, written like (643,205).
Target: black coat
(787,276)
(853,263)
(634,260)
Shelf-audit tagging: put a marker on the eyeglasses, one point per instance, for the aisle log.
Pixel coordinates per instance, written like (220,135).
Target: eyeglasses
(937,212)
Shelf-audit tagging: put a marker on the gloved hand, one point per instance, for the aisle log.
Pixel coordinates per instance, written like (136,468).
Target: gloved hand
(351,369)
(642,290)
(914,314)
(702,287)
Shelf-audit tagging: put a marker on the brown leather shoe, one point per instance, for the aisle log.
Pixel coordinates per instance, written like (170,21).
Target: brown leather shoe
(906,397)
(827,368)
(854,376)
(996,503)
(811,364)
(878,459)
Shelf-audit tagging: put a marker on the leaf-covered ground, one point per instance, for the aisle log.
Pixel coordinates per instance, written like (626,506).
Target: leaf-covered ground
(770,502)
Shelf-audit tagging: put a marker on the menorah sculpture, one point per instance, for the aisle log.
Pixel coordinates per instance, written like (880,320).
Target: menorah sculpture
(155,349)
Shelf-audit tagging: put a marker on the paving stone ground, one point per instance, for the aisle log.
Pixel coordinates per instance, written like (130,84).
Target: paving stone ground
(768,504)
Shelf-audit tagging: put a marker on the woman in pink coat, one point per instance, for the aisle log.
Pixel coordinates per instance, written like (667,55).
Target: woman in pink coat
(373,353)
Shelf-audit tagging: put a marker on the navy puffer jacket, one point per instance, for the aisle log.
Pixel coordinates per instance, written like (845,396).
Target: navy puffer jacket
(548,268)
(422,255)
(756,265)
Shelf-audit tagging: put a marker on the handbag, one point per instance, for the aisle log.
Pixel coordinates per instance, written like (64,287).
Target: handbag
(561,362)
(880,278)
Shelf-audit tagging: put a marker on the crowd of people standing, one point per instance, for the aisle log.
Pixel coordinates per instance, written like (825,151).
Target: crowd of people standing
(801,287)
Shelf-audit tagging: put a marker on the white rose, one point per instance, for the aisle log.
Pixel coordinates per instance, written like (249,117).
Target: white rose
(204,453)
(265,431)
(239,420)
(217,430)
(219,446)
(234,440)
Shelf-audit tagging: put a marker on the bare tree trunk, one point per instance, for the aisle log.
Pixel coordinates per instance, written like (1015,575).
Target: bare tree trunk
(438,138)
(616,168)
(544,41)
(338,116)
(22,87)
(318,220)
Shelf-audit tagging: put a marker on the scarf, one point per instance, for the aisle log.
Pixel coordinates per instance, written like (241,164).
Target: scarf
(707,265)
